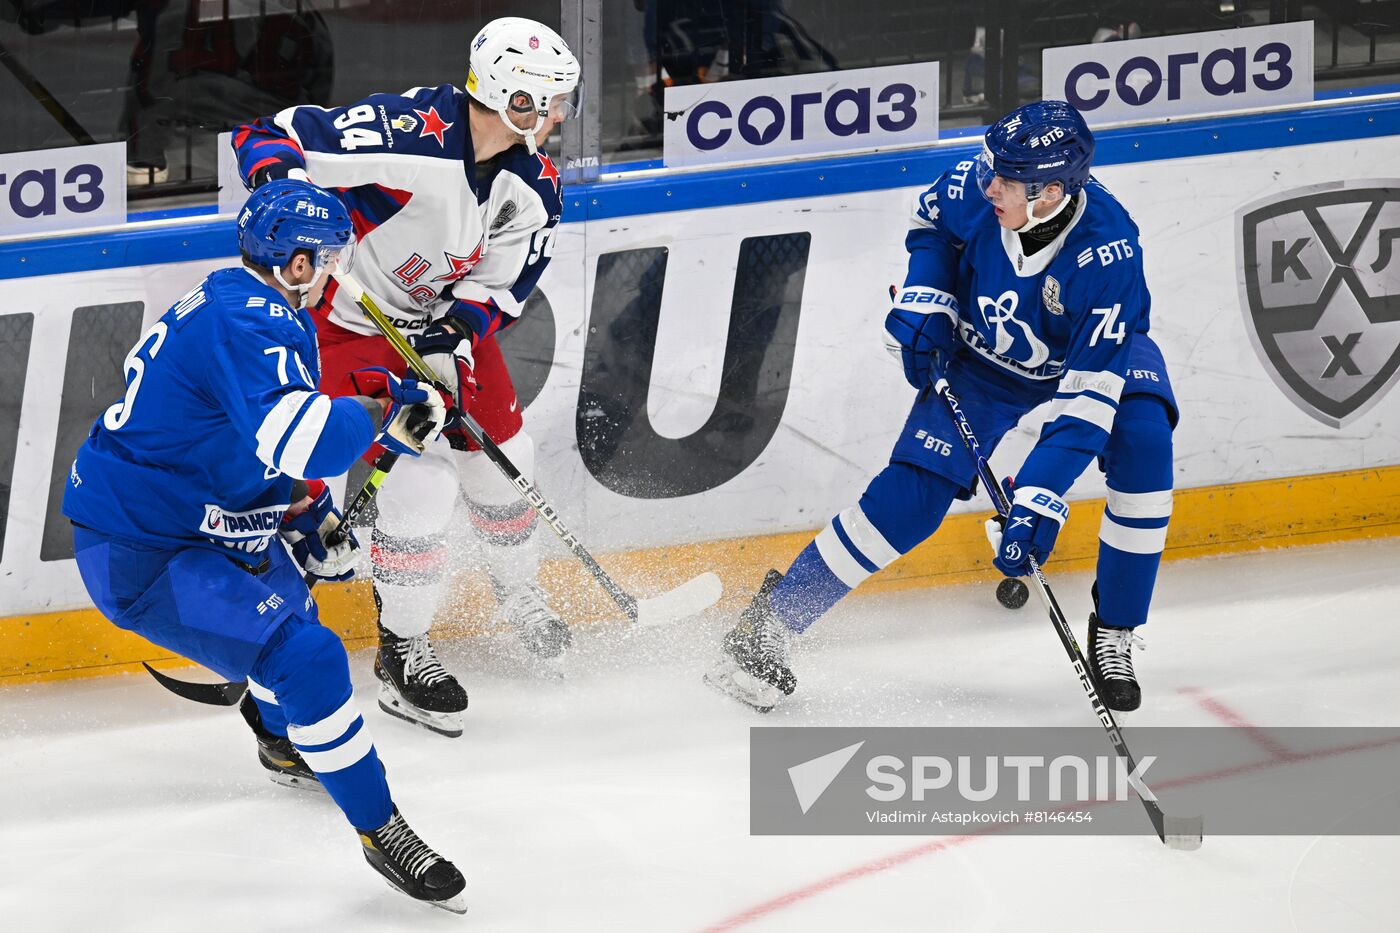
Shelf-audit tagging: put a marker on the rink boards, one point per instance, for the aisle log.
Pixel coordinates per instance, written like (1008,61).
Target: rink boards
(706,384)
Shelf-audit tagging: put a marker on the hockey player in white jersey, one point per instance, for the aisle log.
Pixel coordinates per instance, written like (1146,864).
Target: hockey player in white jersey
(1025,285)
(455,207)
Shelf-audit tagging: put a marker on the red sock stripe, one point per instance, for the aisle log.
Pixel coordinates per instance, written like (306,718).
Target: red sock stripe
(504,526)
(415,562)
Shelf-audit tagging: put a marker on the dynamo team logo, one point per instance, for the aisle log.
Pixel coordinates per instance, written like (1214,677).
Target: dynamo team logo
(1320,284)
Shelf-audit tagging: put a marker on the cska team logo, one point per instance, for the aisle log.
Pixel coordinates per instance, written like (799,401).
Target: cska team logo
(1320,284)
(547,171)
(434,125)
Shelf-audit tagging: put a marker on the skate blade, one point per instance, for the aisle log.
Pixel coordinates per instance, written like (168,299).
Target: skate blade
(448,724)
(545,668)
(456,904)
(690,598)
(300,783)
(733,681)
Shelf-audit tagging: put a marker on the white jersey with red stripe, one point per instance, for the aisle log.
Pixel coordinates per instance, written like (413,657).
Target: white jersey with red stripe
(434,227)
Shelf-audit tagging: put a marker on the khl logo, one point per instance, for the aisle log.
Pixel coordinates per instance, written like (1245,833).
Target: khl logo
(1320,286)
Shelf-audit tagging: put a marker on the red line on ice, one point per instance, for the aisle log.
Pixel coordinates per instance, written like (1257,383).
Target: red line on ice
(1225,714)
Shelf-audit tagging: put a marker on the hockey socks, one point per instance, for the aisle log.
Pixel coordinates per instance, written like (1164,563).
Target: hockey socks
(902,506)
(808,590)
(1133,532)
(301,683)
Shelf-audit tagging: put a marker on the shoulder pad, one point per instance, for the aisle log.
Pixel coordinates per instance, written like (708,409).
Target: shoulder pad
(247,307)
(539,172)
(1106,238)
(427,121)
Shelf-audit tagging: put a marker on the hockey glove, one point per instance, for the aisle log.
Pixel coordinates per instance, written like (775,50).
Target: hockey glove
(446,347)
(318,542)
(919,332)
(1029,530)
(415,415)
(276,171)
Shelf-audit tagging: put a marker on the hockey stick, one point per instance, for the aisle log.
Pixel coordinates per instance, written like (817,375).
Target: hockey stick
(229,693)
(44,98)
(1178,832)
(691,597)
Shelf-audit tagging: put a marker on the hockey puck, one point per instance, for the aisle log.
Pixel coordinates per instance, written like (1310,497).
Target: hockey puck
(1012,593)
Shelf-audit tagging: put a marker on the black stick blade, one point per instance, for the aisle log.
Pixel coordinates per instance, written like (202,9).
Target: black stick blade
(225,694)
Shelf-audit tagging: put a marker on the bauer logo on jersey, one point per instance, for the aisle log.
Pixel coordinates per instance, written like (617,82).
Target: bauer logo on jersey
(226,526)
(1320,284)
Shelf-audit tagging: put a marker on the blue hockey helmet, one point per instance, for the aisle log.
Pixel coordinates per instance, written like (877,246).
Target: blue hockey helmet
(1038,144)
(288,215)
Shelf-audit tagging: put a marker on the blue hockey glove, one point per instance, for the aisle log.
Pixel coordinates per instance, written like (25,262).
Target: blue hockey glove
(1029,530)
(919,332)
(415,414)
(446,346)
(319,543)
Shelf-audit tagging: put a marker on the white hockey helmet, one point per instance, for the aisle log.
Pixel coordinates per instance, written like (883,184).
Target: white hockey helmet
(519,65)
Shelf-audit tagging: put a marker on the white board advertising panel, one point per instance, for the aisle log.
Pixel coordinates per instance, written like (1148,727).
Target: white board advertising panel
(47,190)
(801,115)
(1192,73)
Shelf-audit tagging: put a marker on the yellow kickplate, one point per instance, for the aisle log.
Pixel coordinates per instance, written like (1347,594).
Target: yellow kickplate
(1212,520)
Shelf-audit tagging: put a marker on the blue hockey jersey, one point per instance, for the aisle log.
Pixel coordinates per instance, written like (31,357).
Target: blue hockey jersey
(1058,322)
(220,414)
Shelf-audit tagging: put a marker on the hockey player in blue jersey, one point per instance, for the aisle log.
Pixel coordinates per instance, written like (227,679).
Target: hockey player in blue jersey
(1025,285)
(455,208)
(184,485)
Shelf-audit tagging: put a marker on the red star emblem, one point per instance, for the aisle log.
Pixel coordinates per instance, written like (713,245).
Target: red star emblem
(434,125)
(547,169)
(459,265)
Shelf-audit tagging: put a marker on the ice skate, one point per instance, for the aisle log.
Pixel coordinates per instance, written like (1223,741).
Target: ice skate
(542,633)
(755,666)
(411,866)
(276,753)
(414,686)
(1110,657)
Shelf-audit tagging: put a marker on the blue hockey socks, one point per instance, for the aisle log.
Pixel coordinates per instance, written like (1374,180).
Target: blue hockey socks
(902,506)
(1138,463)
(303,680)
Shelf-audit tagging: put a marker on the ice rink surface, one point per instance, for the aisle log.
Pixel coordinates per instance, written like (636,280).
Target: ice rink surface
(617,798)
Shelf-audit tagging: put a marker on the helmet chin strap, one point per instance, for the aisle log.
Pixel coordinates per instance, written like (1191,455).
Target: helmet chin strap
(528,135)
(302,290)
(1033,221)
